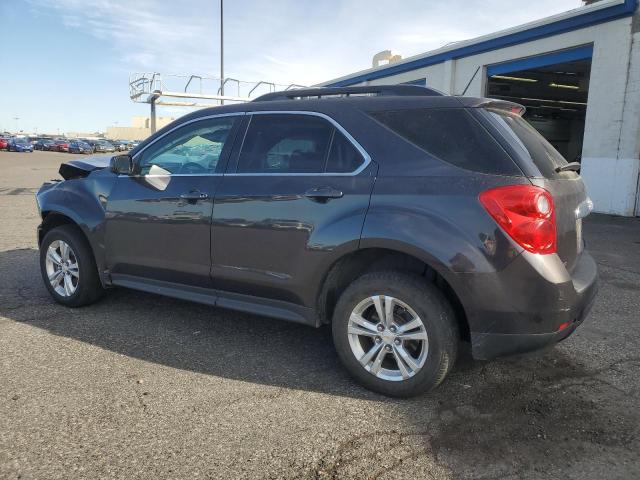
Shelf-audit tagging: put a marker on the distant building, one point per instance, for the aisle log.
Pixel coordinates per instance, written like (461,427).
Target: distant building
(139,130)
(87,135)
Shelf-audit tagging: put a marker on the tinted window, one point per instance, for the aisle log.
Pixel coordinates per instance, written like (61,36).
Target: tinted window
(192,149)
(529,142)
(452,135)
(283,143)
(343,156)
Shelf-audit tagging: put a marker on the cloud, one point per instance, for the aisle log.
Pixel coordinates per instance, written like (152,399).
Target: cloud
(142,33)
(285,41)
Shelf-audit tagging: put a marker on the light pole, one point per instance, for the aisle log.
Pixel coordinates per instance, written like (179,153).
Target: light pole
(221,50)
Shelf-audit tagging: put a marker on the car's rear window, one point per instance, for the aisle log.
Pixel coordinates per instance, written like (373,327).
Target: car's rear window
(452,135)
(528,142)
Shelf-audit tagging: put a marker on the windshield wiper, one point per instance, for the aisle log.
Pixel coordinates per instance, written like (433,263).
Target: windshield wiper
(569,167)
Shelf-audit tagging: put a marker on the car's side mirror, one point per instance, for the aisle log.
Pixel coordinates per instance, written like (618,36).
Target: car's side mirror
(122,164)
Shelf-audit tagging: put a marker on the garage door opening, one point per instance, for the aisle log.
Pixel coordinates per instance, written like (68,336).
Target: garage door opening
(555,95)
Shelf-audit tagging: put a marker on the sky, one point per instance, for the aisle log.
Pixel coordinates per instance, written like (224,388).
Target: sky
(67,63)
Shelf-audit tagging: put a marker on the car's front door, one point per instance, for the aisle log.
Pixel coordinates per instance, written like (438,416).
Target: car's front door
(158,219)
(293,198)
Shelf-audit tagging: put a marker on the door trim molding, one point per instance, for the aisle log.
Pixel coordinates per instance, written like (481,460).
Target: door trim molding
(217,298)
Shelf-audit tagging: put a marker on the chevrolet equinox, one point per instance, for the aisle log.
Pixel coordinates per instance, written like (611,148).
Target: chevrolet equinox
(406,219)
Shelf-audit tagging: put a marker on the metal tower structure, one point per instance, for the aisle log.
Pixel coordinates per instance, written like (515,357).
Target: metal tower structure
(194,91)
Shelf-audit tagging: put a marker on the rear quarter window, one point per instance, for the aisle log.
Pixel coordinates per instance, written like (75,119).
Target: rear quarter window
(452,135)
(528,142)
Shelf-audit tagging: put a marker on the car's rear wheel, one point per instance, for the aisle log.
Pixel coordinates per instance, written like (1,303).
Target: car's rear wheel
(395,333)
(68,268)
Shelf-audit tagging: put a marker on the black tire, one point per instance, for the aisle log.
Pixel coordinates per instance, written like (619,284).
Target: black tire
(433,309)
(88,289)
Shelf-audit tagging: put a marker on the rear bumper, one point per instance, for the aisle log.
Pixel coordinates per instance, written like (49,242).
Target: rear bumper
(534,307)
(486,346)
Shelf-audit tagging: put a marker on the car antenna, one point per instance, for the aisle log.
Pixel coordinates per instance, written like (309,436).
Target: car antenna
(469,84)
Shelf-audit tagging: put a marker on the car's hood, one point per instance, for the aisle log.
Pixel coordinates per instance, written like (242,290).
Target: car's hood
(82,168)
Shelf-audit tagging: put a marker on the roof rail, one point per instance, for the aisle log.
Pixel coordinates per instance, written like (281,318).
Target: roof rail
(369,91)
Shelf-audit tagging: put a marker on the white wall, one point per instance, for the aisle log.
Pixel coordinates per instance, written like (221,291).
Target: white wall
(611,148)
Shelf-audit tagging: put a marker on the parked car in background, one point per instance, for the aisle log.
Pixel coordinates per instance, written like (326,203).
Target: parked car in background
(120,145)
(90,142)
(43,144)
(60,146)
(78,146)
(406,219)
(19,145)
(49,145)
(4,143)
(101,146)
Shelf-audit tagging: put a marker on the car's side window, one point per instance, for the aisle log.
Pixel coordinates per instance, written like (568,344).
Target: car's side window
(285,143)
(194,148)
(343,155)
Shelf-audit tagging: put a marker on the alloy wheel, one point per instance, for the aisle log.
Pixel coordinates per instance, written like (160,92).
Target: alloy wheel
(388,338)
(62,268)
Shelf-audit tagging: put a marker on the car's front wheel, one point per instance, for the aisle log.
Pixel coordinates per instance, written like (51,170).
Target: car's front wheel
(395,333)
(68,268)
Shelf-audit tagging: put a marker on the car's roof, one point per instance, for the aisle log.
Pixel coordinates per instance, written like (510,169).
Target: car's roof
(332,100)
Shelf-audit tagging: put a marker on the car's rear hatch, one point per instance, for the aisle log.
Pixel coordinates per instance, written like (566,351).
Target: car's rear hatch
(546,168)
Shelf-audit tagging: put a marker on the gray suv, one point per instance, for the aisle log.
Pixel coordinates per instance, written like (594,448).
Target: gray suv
(407,220)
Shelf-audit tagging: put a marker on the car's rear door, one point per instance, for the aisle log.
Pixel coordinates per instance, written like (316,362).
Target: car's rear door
(293,199)
(158,219)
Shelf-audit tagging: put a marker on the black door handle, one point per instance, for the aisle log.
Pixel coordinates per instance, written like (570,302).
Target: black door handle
(323,194)
(193,195)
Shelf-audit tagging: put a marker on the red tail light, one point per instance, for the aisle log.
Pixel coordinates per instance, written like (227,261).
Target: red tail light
(526,213)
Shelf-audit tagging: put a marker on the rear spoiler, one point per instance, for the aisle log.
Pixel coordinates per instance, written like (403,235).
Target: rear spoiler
(493,104)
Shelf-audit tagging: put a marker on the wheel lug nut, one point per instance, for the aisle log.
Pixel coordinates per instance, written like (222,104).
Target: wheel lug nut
(388,348)
(380,327)
(393,328)
(397,341)
(378,339)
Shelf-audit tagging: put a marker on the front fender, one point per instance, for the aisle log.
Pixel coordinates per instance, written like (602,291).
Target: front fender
(84,202)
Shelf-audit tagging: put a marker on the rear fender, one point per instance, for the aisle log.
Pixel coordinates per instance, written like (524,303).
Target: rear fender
(445,243)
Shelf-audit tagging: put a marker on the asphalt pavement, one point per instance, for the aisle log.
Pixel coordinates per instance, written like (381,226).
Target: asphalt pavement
(141,386)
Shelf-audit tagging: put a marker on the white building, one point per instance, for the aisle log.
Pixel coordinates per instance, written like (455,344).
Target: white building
(578,74)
